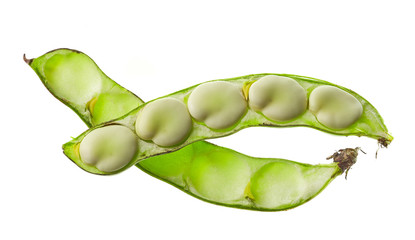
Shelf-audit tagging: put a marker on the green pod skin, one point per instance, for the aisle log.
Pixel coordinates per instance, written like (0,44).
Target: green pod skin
(369,124)
(75,80)
(215,174)
(225,177)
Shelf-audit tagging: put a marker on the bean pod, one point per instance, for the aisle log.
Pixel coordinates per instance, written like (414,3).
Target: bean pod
(222,107)
(222,176)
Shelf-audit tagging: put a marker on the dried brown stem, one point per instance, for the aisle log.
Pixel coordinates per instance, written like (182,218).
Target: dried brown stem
(28,61)
(345,158)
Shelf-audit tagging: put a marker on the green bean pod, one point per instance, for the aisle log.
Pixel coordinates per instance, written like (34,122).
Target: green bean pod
(224,177)
(208,172)
(221,108)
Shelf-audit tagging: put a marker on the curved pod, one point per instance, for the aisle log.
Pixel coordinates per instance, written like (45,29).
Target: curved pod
(369,123)
(75,80)
(224,177)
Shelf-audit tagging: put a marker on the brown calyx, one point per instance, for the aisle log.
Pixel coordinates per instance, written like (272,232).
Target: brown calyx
(345,158)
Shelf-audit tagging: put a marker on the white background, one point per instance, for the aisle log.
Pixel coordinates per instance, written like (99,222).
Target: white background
(157,47)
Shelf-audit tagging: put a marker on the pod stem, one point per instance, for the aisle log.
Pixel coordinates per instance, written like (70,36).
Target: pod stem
(28,61)
(345,158)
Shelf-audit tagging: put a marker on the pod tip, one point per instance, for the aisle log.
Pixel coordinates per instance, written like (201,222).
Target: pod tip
(28,61)
(384,142)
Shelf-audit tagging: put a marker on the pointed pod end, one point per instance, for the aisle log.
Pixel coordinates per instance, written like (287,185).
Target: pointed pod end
(28,61)
(384,142)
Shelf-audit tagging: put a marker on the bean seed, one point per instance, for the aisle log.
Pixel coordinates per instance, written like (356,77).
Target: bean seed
(218,104)
(108,148)
(165,121)
(278,98)
(334,107)
(62,70)
(209,172)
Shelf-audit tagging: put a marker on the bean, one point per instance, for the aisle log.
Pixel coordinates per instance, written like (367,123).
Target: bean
(211,169)
(85,76)
(334,107)
(109,148)
(277,184)
(166,122)
(206,171)
(278,98)
(218,104)
(75,80)
(104,107)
